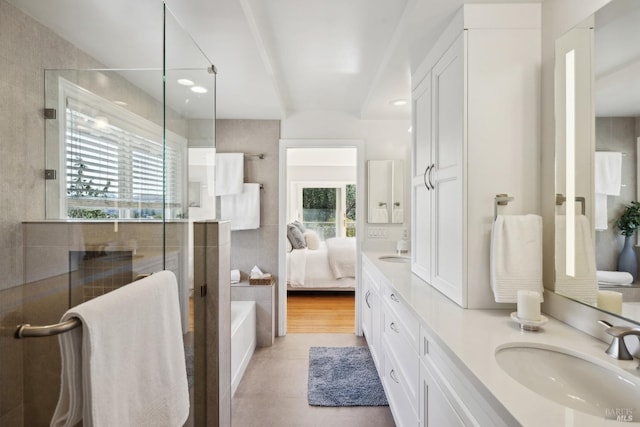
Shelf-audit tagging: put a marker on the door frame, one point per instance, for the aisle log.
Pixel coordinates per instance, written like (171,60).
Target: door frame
(285,144)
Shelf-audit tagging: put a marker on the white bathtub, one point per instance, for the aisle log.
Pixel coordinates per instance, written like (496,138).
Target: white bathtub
(243,339)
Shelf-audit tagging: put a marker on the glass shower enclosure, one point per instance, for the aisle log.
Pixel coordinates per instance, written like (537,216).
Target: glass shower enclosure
(128,165)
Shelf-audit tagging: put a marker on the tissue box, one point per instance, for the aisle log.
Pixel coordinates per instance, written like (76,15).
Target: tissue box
(267,279)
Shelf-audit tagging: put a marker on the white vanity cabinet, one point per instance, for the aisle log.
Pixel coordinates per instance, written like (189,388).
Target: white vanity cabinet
(476,123)
(424,383)
(451,397)
(371,309)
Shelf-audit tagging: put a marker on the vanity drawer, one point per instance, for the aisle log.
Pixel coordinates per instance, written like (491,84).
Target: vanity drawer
(404,316)
(403,408)
(394,336)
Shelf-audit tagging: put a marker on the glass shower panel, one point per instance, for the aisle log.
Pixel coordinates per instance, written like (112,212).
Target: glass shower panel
(189,93)
(121,182)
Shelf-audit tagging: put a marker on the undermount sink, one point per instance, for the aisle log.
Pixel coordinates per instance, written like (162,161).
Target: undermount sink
(570,379)
(395,258)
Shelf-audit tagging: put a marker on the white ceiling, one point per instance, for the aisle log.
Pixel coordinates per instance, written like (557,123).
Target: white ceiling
(274,58)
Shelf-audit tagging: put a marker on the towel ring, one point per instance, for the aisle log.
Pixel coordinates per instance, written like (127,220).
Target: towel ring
(500,200)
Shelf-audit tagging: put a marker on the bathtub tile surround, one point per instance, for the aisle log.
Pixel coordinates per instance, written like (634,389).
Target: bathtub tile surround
(264,296)
(212,318)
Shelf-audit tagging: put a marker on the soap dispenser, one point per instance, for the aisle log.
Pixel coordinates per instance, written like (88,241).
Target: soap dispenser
(402,245)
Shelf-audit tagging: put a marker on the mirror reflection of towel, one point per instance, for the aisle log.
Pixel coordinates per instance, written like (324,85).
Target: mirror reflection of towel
(608,179)
(243,209)
(583,285)
(380,215)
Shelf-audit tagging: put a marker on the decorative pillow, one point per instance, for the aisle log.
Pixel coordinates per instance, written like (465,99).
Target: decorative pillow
(312,239)
(289,245)
(300,226)
(295,237)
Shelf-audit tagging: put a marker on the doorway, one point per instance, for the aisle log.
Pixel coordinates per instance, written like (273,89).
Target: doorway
(321,192)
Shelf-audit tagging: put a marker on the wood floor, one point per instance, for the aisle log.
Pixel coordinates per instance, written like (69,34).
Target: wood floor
(315,313)
(320,312)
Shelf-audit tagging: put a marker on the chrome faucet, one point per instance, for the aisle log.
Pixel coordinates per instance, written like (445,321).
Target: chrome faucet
(618,349)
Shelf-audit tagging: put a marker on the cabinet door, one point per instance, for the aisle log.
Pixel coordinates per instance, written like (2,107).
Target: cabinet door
(448,141)
(367,310)
(435,409)
(420,187)
(371,313)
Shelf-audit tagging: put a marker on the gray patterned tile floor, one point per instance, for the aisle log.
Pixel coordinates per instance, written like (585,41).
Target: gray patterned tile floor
(273,391)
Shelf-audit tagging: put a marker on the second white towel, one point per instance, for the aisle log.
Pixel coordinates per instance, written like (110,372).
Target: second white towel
(516,256)
(243,209)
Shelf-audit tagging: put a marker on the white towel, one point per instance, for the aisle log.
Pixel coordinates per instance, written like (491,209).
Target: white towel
(229,173)
(583,285)
(608,177)
(602,217)
(608,172)
(516,256)
(125,366)
(614,278)
(243,210)
(398,215)
(235,276)
(380,215)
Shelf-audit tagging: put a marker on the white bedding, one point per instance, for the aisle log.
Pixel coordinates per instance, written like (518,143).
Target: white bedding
(311,269)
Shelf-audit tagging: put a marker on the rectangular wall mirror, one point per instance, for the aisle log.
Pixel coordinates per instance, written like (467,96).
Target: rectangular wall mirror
(597,113)
(385,180)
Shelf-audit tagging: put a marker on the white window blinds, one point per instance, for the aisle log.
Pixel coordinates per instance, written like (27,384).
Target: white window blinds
(114,161)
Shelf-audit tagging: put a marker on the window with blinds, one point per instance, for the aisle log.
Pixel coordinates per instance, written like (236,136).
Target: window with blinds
(116,165)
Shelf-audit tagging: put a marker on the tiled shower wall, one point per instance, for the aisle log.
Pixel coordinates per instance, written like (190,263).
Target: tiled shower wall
(255,247)
(26,49)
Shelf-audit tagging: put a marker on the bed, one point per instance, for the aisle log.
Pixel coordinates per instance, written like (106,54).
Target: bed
(330,267)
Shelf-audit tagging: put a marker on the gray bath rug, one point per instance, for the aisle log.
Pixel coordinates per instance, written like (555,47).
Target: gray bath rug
(344,376)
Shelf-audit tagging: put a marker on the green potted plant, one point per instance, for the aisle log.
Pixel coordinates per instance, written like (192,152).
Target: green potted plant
(628,223)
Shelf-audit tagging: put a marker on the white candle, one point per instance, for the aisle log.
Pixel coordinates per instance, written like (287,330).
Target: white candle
(610,301)
(528,305)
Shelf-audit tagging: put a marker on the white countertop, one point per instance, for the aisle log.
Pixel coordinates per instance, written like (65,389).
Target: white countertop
(472,336)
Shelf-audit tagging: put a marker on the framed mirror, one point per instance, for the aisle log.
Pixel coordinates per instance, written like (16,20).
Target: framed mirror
(386,191)
(597,113)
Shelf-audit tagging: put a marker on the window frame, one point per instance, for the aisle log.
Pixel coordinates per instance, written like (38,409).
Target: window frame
(341,200)
(142,128)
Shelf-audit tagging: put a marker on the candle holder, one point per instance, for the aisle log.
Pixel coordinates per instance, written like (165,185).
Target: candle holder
(529,325)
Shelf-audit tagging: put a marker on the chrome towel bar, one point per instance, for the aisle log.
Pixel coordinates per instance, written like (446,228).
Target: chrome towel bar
(26,331)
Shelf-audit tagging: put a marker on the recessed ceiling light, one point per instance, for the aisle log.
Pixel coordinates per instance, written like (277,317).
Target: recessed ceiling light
(398,102)
(185,82)
(199,89)
(120,103)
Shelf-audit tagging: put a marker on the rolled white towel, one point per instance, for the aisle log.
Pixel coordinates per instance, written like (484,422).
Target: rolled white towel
(235,276)
(614,278)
